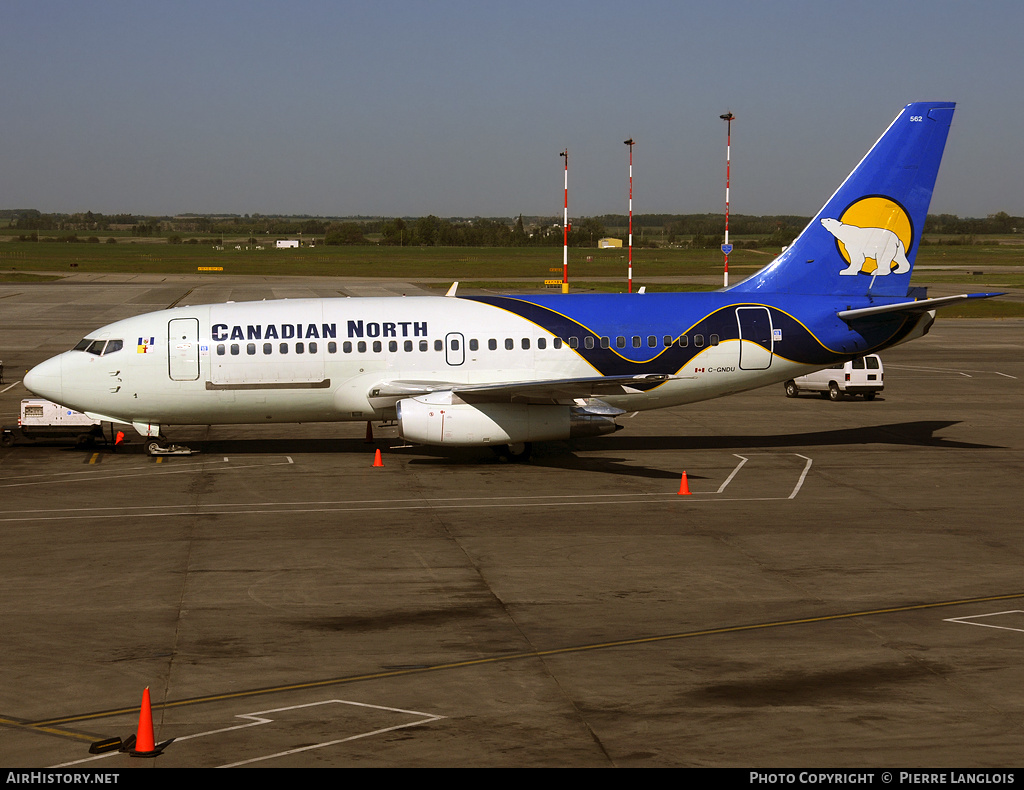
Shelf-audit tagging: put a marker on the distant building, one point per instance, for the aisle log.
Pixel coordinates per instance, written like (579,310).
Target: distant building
(607,243)
(283,244)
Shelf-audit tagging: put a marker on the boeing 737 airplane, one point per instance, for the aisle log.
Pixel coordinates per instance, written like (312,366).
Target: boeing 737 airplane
(506,371)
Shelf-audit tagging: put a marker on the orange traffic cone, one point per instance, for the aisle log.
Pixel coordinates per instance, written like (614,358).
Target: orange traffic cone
(377,459)
(142,743)
(684,487)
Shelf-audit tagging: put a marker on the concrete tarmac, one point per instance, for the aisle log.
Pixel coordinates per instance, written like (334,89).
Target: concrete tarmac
(843,587)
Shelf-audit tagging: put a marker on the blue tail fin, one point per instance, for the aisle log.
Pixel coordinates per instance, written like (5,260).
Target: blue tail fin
(864,240)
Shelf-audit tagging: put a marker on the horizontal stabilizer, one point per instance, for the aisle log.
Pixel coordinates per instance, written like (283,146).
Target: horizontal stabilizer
(917,307)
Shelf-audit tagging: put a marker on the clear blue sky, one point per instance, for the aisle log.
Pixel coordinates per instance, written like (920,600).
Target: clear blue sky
(461,108)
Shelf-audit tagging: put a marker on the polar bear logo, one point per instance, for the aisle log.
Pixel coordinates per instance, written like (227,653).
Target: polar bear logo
(880,244)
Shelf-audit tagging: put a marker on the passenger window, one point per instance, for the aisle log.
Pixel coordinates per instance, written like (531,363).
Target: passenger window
(424,345)
(652,341)
(439,345)
(542,343)
(346,347)
(268,348)
(636,341)
(714,340)
(668,340)
(620,342)
(509,344)
(526,344)
(250,349)
(332,347)
(392,346)
(312,348)
(282,348)
(492,344)
(234,349)
(361,346)
(220,349)
(407,345)
(474,345)
(698,340)
(606,342)
(557,342)
(300,348)
(588,341)
(574,342)
(683,341)
(377,346)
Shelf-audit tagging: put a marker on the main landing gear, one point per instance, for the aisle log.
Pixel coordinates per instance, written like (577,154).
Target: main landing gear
(518,453)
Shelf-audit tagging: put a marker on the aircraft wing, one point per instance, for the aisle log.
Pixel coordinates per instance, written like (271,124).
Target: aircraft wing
(544,391)
(919,306)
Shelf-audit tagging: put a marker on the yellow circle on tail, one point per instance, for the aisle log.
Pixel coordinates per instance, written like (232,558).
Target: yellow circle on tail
(877,212)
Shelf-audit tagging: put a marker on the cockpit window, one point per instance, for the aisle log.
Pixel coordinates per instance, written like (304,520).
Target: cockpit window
(99,347)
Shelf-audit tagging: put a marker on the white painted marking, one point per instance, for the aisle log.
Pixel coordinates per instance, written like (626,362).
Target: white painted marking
(728,480)
(91,476)
(427,719)
(10,386)
(359,506)
(969,620)
(259,718)
(803,475)
(226,510)
(1007,375)
(936,370)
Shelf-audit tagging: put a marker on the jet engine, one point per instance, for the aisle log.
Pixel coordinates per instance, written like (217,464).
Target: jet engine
(428,420)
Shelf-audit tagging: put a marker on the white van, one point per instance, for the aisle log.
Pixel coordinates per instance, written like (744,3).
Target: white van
(860,376)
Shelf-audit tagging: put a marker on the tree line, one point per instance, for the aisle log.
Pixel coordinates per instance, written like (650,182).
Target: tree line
(689,230)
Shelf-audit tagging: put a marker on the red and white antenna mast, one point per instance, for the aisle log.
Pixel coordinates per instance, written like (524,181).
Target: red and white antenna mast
(630,143)
(565,228)
(727,247)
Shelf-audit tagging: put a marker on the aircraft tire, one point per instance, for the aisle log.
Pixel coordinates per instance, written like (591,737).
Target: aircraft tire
(153,445)
(514,453)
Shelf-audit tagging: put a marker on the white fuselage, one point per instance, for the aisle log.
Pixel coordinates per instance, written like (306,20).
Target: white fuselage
(321,360)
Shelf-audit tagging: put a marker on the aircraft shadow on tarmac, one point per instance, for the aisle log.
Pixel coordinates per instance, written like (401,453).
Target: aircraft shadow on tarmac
(921,433)
(564,455)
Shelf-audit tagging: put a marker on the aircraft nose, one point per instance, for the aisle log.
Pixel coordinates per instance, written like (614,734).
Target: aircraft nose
(44,380)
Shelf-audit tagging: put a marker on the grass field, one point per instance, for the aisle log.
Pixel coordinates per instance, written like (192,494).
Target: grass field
(446,262)
(495,268)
